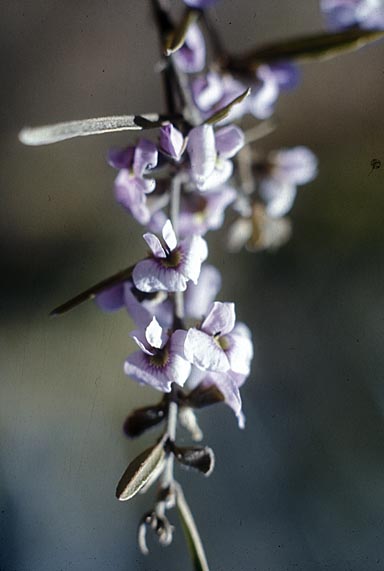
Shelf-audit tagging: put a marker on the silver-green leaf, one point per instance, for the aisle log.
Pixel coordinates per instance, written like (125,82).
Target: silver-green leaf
(48,134)
(140,471)
(318,46)
(192,536)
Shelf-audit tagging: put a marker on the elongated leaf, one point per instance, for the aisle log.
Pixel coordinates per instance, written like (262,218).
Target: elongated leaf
(140,471)
(91,292)
(192,536)
(225,111)
(319,46)
(177,37)
(48,134)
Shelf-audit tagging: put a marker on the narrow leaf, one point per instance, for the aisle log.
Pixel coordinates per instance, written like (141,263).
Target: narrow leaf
(140,471)
(176,38)
(191,534)
(62,131)
(225,111)
(91,292)
(319,46)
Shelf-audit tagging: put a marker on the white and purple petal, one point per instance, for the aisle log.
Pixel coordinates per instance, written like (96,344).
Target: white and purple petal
(154,334)
(240,349)
(155,245)
(145,158)
(202,351)
(297,165)
(199,298)
(229,140)
(279,196)
(150,275)
(220,320)
(129,193)
(202,152)
(169,235)
(194,252)
(190,58)
(121,158)
(171,141)
(111,299)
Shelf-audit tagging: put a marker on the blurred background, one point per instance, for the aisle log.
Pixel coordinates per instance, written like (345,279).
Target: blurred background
(302,487)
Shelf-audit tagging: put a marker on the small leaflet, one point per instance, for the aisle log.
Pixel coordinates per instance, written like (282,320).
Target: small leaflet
(140,471)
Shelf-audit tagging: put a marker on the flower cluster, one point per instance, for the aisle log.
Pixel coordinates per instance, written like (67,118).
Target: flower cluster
(179,184)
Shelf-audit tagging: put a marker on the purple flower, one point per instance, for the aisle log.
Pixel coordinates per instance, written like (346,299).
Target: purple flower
(219,345)
(171,141)
(342,14)
(209,153)
(159,363)
(190,58)
(213,91)
(258,231)
(285,170)
(202,212)
(170,265)
(199,3)
(130,185)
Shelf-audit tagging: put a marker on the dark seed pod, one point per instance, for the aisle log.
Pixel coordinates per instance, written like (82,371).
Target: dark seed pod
(144,418)
(196,457)
(204,395)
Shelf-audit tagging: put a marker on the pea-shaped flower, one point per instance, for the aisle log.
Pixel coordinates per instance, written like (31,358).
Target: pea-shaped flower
(170,264)
(209,152)
(219,344)
(131,187)
(159,363)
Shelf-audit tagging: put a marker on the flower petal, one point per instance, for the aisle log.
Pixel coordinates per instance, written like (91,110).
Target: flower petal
(178,369)
(154,334)
(171,141)
(111,299)
(169,235)
(140,343)
(220,320)
(221,173)
(297,165)
(240,350)
(202,152)
(229,140)
(228,385)
(149,276)
(145,157)
(140,368)
(195,251)
(129,193)
(190,58)
(155,245)
(198,298)
(121,158)
(202,351)
(279,196)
